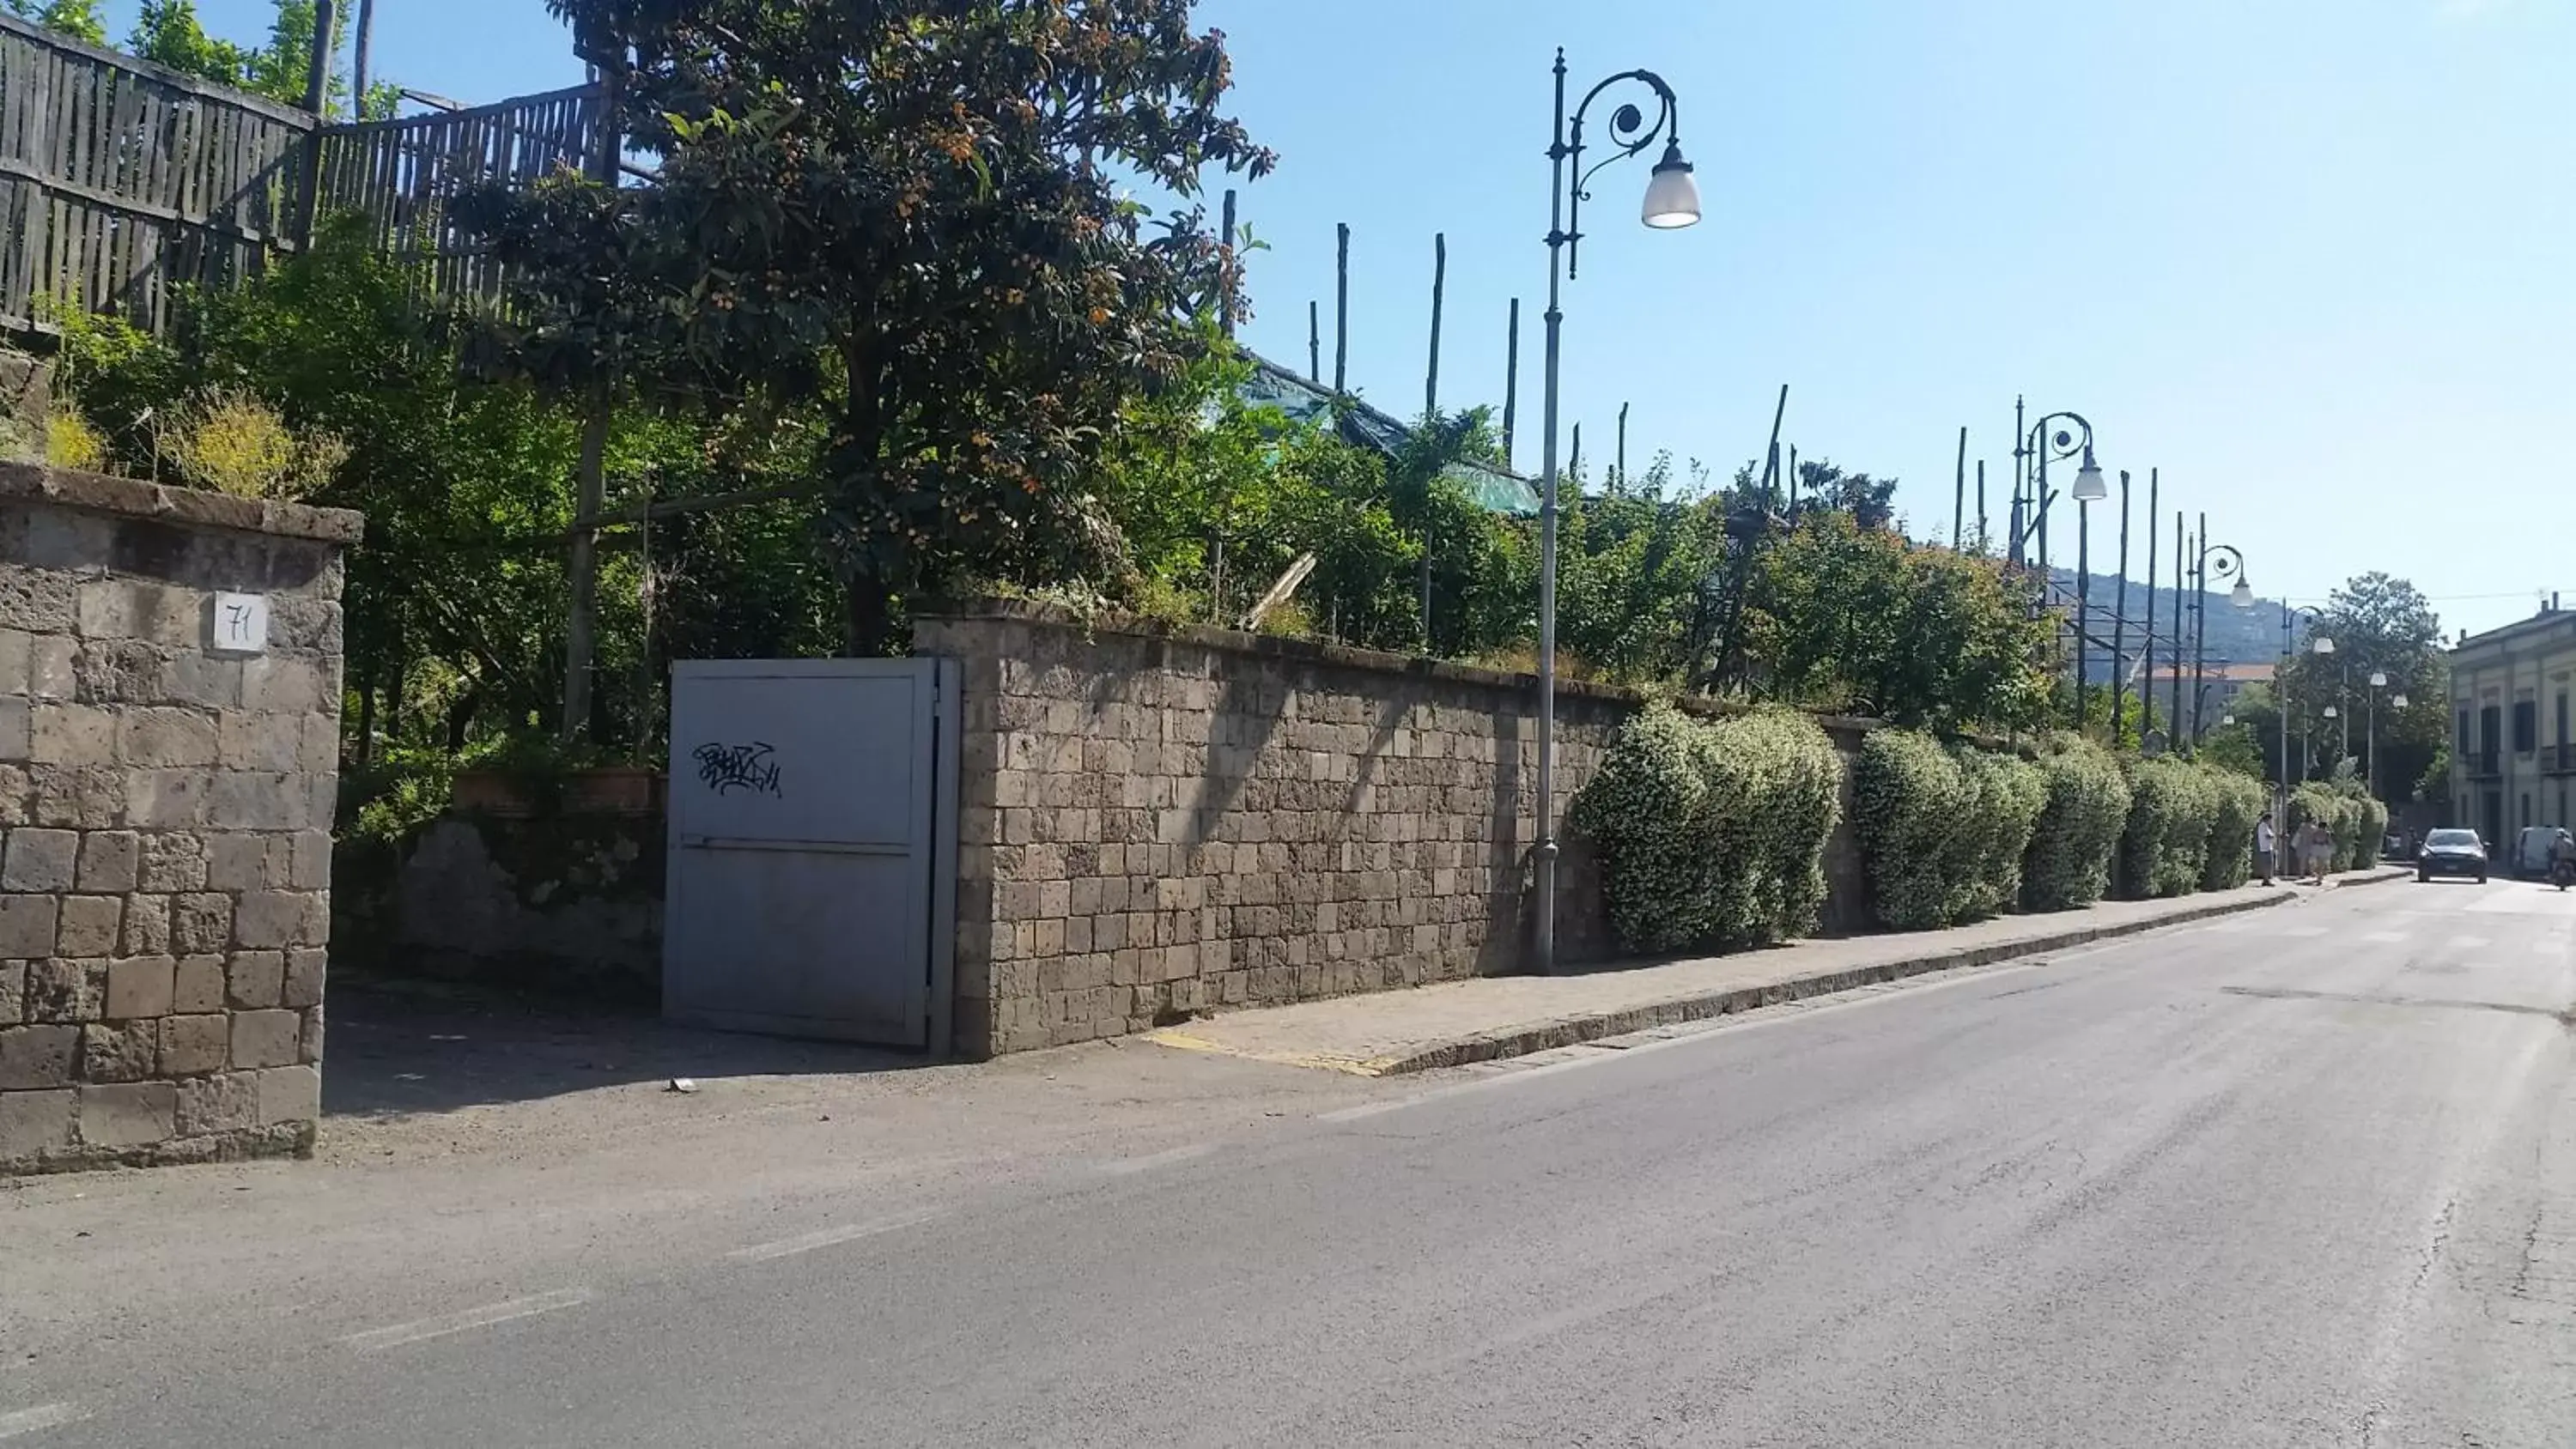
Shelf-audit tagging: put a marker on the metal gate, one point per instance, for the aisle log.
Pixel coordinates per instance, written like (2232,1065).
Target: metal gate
(813,848)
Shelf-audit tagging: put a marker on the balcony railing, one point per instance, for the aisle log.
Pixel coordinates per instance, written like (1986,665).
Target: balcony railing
(2559,759)
(2482,766)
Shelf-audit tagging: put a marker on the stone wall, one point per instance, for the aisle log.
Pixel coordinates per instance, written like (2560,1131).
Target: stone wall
(1153,824)
(165,816)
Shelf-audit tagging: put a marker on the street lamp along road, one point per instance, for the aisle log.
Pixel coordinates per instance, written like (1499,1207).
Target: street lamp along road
(2043,445)
(2227,563)
(2281,688)
(1671,202)
(2370,741)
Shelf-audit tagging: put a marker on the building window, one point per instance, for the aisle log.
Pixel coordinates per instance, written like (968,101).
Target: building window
(2562,719)
(2526,726)
(2490,733)
(2526,810)
(2462,743)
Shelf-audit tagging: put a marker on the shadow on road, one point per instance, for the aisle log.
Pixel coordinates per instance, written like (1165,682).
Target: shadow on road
(397,1049)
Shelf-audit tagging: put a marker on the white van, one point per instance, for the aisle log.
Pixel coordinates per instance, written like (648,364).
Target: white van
(2530,857)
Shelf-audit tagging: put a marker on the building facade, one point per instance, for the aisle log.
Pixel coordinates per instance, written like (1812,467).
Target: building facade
(2513,741)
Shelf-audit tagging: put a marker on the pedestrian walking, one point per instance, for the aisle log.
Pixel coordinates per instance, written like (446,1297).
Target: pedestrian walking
(2320,850)
(2266,840)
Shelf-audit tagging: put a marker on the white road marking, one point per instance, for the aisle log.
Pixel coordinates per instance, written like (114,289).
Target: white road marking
(377,1339)
(829,1237)
(1152,1160)
(43,1416)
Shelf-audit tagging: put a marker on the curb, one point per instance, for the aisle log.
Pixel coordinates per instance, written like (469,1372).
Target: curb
(1574,1030)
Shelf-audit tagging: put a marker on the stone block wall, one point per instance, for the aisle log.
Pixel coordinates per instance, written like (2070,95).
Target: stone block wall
(1158,823)
(165,819)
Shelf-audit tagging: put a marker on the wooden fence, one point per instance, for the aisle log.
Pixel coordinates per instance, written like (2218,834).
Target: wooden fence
(401,173)
(122,181)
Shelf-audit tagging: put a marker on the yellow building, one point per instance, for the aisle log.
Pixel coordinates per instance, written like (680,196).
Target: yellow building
(2513,744)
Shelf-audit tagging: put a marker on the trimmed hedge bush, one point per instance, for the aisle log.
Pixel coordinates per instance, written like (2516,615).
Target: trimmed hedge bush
(1942,829)
(2165,850)
(1712,832)
(2084,810)
(2005,796)
(2359,823)
(1907,796)
(2240,801)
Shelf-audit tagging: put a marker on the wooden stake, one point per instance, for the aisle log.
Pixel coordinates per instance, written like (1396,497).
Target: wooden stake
(1341,306)
(1511,378)
(1439,283)
(1225,254)
(1959,493)
(2120,625)
(1314,341)
(1623,447)
(359,69)
(1984,540)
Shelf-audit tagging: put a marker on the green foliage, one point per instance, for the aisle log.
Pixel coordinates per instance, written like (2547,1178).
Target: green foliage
(1713,832)
(2173,805)
(928,247)
(2386,625)
(1942,829)
(1862,621)
(2358,823)
(1907,796)
(2085,810)
(75,19)
(1635,561)
(169,32)
(2238,800)
(455,605)
(2006,794)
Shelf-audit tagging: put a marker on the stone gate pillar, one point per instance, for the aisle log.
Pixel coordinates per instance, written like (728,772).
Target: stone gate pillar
(169,756)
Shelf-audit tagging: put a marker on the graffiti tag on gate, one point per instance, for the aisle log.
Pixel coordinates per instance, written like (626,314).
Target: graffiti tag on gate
(726,769)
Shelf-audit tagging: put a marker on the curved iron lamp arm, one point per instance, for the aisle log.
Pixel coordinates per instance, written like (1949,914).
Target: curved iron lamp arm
(1630,133)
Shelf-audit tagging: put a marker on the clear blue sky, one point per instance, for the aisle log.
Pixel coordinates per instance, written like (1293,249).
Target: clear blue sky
(2315,259)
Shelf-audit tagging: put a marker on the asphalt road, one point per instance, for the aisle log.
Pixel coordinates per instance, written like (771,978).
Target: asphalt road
(2305,1176)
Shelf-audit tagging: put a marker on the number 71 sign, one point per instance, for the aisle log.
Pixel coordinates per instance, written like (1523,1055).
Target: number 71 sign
(239,624)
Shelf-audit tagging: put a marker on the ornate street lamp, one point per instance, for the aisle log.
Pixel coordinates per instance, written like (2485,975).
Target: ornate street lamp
(2216,560)
(1671,202)
(2317,643)
(2050,439)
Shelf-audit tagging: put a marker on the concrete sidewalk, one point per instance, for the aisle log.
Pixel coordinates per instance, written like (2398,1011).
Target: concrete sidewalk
(1456,1022)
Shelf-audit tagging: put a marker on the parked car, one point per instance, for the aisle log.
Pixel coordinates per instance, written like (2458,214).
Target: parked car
(2452,852)
(2530,858)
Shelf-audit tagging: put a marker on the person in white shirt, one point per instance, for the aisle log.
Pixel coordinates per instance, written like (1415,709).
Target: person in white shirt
(2266,842)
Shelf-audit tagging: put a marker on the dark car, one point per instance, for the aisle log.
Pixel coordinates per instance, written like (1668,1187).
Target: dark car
(2452,852)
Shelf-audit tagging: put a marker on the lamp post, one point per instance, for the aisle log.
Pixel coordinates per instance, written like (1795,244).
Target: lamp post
(2048,440)
(1671,202)
(2319,644)
(2370,740)
(2225,563)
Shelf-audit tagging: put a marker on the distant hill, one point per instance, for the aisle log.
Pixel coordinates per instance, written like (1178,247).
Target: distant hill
(2235,636)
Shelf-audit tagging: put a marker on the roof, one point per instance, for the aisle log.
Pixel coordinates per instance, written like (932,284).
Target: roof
(2223,672)
(2540,623)
(1497,490)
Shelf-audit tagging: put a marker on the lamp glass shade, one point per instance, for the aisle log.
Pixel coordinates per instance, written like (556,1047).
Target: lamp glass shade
(2378,679)
(2089,487)
(2333,713)
(2399,701)
(1672,197)
(2242,596)
(2323,645)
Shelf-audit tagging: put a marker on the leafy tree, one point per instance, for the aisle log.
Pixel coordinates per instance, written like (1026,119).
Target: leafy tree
(77,19)
(905,214)
(169,32)
(2378,623)
(1859,619)
(1639,566)
(1825,488)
